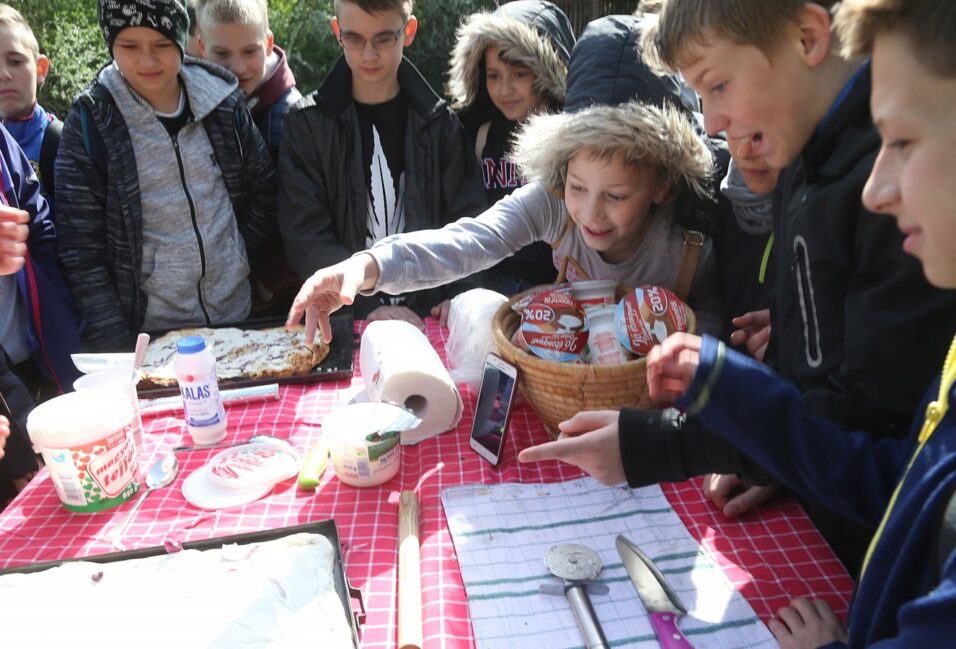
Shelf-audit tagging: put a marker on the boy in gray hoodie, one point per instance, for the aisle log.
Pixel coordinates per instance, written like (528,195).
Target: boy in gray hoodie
(167,185)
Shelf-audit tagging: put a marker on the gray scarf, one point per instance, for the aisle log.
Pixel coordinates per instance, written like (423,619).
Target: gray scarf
(754,212)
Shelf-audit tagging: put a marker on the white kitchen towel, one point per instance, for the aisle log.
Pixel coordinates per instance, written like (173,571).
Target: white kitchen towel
(502,532)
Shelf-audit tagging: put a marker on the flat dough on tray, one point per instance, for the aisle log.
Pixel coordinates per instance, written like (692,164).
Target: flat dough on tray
(240,354)
(277,594)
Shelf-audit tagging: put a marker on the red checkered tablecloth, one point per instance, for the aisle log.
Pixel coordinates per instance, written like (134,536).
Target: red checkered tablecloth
(771,556)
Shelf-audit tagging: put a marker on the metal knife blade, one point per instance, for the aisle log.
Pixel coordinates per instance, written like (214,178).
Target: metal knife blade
(661,601)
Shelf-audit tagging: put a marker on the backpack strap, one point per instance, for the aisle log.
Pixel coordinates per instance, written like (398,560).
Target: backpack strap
(481,138)
(689,258)
(92,140)
(946,539)
(48,149)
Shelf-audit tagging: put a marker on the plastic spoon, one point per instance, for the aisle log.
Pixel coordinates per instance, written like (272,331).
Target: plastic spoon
(139,354)
(160,474)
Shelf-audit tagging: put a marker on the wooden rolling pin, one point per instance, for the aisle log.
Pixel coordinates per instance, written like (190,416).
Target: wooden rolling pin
(409,575)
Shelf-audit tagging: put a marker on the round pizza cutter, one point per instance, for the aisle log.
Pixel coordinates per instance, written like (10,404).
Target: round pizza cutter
(577,565)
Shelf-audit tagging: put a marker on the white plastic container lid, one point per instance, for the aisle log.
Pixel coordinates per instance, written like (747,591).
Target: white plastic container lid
(76,418)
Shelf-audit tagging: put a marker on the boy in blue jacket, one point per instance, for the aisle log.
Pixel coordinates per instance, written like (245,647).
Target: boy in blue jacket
(24,70)
(906,595)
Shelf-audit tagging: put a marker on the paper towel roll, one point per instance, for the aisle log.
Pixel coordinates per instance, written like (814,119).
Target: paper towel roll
(400,365)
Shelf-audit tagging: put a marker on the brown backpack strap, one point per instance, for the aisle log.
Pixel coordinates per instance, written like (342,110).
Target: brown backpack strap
(689,258)
(563,271)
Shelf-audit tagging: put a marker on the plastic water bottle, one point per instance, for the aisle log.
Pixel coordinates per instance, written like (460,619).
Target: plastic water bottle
(195,369)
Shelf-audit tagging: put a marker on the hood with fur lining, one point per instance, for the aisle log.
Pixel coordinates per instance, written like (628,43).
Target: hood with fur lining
(663,137)
(533,33)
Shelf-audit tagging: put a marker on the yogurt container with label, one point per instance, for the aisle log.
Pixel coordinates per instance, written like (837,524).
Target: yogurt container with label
(86,439)
(554,327)
(364,441)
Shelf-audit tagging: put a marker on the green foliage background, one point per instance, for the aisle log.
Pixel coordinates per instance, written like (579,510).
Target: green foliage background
(69,35)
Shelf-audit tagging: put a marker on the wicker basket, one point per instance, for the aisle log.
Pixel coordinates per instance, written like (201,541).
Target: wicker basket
(559,390)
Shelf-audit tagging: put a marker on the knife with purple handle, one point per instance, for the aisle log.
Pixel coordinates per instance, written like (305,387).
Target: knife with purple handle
(663,605)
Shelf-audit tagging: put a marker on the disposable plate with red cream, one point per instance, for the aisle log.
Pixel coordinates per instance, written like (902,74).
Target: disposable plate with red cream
(241,474)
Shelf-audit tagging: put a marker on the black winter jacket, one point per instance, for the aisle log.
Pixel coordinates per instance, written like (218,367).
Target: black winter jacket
(99,207)
(323,199)
(855,324)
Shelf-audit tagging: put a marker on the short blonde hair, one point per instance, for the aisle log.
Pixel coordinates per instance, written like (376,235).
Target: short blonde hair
(249,13)
(403,7)
(683,22)
(930,26)
(10,17)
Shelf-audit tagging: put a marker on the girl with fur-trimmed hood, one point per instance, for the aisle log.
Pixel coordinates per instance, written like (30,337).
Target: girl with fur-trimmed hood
(602,185)
(506,66)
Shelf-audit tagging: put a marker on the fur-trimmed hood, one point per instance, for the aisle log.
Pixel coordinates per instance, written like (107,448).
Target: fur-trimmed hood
(534,33)
(663,137)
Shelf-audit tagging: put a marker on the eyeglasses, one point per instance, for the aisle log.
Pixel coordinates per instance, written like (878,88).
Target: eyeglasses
(356,42)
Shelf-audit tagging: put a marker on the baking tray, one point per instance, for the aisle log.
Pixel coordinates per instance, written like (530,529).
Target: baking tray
(337,365)
(343,588)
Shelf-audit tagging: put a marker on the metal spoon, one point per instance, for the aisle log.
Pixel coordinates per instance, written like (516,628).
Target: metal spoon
(160,474)
(252,440)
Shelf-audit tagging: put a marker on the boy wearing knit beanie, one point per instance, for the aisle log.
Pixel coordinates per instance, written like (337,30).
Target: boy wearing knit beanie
(167,184)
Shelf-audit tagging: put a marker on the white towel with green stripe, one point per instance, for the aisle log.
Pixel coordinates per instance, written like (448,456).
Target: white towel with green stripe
(502,532)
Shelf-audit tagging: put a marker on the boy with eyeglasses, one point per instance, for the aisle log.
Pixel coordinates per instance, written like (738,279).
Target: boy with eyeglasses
(373,152)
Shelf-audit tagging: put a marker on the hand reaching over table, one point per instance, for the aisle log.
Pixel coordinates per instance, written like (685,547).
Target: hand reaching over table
(328,290)
(589,441)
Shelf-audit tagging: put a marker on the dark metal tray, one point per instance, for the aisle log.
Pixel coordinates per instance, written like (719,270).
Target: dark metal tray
(327,529)
(337,365)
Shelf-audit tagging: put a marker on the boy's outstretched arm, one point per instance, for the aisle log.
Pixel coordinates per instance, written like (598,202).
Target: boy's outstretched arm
(327,290)
(589,440)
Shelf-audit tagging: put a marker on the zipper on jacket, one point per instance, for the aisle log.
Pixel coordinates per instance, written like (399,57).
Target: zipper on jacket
(192,216)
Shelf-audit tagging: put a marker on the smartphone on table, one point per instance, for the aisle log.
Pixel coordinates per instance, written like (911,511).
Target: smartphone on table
(493,410)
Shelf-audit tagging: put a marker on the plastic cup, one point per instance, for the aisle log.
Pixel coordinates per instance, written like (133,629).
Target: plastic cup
(119,379)
(604,347)
(592,293)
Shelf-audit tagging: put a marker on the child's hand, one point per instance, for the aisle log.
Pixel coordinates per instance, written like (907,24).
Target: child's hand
(4,433)
(13,235)
(441,312)
(327,291)
(671,366)
(402,313)
(753,328)
(807,625)
(589,441)
(733,497)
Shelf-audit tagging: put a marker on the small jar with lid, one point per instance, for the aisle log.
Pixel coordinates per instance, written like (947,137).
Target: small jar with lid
(195,369)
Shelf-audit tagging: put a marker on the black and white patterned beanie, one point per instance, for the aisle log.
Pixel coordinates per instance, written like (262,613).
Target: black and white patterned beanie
(168,17)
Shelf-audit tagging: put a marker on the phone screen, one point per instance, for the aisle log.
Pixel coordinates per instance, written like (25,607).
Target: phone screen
(493,409)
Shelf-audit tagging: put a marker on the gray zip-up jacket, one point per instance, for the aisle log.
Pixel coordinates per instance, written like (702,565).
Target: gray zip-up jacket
(155,231)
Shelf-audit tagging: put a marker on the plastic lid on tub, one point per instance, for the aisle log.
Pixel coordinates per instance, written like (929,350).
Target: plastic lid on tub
(78,417)
(358,420)
(190,345)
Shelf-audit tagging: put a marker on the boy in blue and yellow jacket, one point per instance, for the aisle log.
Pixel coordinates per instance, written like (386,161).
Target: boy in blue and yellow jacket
(906,594)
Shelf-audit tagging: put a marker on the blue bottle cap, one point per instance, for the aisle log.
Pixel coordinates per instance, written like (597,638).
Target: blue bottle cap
(190,345)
